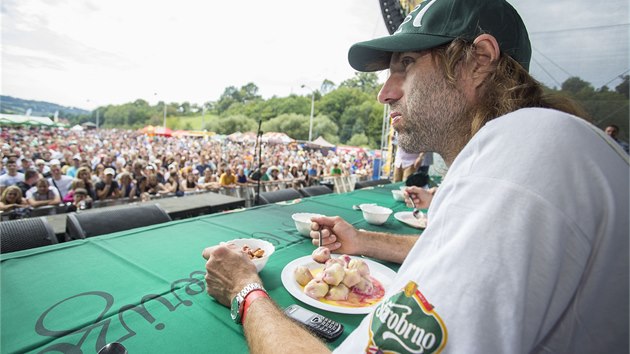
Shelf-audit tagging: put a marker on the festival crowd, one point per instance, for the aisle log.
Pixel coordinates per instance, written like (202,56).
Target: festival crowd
(53,166)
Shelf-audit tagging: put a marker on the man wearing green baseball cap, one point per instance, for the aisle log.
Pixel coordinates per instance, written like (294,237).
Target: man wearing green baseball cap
(526,246)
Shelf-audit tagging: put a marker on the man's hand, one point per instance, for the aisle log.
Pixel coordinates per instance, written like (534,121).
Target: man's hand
(228,270)
(337,235)
(421,197)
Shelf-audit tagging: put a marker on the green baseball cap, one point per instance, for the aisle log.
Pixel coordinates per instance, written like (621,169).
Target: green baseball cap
(436,22)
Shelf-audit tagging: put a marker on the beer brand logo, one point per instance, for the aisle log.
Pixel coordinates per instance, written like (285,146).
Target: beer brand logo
(406,323)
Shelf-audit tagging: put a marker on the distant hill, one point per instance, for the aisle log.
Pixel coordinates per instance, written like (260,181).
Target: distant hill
(12,105)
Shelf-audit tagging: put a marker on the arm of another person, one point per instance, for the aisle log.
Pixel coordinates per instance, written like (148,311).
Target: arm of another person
(7,207)
(266,327)
(341,237)
(102,193)
(117,193)
(56,199)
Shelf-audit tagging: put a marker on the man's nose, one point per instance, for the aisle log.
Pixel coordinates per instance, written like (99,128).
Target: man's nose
(392,89)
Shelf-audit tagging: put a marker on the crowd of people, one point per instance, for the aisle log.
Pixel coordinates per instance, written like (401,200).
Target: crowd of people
(42,167)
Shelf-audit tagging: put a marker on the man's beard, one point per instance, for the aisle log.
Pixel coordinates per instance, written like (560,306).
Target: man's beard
(434,116)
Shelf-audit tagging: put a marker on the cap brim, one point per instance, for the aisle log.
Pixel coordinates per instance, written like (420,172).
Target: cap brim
(375,54)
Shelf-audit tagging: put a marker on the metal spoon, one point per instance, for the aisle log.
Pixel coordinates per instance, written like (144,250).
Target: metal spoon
(113,348)
(416,211)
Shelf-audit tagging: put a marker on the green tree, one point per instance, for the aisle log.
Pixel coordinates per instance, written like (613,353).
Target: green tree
(232,124)
(327,87)
(294,125)
(358,140)
(576,85)
(366,82)
(624,87)
(323,126)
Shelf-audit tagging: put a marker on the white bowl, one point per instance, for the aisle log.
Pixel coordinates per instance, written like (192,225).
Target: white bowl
(303,222)
(254,244)
(376,215)
(399,195)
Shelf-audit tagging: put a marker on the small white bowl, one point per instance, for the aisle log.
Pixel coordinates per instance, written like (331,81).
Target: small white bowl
(399,195)
(254,244)
(376,215)
(303,222)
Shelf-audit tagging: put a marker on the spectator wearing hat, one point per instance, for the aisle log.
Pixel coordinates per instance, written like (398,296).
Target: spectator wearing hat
(26,164)
(108,188)
(43,194)
(76,163)
(507,264)
(60,181)
(42,168)
(80,200)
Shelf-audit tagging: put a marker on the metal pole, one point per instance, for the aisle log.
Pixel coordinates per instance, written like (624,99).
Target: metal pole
(310,128)
(97,118)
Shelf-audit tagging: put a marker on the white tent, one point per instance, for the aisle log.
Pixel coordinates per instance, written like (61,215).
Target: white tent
(77,128)
(25,120)
(320,141)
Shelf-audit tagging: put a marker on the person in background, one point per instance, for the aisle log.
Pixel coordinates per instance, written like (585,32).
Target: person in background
(26,164)
(80,200)
(336,171)
(190,184)
(507,263)
(42,168)
(257,175)
(43,194)
(126,185)
(404,164)
(59,180)
(76,163)
(108,188)
(31,176)
(172,184)
(12,199)
(76,183)
(241,177)
(227,179)
(612,131)
(12,177)
(84,174)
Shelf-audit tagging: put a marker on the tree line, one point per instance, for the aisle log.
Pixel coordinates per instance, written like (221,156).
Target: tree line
(347,113)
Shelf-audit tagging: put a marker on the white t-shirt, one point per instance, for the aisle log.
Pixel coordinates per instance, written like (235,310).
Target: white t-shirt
(51,189)
(63,184)
(404,159)
(6,180)
(526,249)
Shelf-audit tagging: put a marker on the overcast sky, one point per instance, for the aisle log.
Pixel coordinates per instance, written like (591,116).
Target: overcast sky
(88,53)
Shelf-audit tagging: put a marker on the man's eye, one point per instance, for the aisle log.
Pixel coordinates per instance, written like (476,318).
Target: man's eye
(406,62)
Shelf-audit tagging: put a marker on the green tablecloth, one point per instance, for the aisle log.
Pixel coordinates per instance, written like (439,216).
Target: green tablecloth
(145,287)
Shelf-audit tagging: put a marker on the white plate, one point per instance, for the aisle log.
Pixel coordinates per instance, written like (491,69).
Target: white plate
(377,270)
(408,218)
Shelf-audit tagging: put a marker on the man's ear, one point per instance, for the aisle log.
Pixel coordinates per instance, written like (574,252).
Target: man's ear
(486,53)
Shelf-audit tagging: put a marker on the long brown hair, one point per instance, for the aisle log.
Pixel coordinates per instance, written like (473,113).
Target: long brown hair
(6,192)
(507,88)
